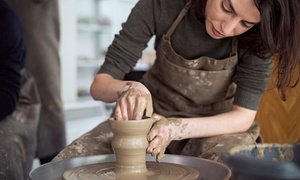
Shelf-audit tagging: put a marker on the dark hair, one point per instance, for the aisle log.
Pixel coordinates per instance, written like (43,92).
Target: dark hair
(278,33)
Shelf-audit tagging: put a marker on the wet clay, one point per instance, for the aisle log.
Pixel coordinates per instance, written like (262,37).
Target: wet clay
(129,145)
(156,171)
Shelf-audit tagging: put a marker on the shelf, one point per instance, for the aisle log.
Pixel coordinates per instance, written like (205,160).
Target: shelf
(91,27)
(89,63)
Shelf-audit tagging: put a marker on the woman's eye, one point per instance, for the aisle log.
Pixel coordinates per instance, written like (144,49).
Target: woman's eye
(226,7)
(245,25)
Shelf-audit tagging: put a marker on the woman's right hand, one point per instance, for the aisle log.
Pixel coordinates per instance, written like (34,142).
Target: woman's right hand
(133,101)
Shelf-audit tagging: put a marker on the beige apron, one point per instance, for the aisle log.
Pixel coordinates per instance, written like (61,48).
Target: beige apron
(18,133)
(185,88)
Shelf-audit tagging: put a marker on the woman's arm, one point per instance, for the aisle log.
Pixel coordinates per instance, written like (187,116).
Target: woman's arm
(106,88)
(133,99)
(239,119)
(165,130)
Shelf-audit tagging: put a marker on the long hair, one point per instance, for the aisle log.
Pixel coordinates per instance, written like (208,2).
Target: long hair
(278,33)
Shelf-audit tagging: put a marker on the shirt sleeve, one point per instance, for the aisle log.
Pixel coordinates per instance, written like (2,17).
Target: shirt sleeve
(11,60)
(127,47)
(252,76)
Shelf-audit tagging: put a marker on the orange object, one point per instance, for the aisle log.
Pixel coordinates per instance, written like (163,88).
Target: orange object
(280,120)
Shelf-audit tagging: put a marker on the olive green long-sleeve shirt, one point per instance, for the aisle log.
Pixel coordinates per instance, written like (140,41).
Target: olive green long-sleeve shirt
(153,18)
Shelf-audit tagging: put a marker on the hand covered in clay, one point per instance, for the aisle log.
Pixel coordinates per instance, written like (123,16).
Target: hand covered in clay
(133,101)
(162,133)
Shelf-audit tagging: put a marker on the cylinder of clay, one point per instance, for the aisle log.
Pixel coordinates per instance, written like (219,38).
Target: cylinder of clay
(130,144)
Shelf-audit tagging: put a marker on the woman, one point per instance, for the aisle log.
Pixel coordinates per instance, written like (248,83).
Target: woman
(213,63)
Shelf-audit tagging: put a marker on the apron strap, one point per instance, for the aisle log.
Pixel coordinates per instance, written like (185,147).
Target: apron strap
(234,52)
(234,47)
(178,19)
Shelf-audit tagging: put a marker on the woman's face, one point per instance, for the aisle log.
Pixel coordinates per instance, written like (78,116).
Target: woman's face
(226,18)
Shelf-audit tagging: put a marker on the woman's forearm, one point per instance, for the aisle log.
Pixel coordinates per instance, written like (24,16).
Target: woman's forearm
(133,99)
(237,120)
(106,88)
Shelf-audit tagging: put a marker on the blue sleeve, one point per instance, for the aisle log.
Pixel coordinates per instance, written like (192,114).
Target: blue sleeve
(12,52)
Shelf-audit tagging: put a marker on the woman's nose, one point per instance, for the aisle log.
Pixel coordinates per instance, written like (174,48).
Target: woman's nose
(228,27)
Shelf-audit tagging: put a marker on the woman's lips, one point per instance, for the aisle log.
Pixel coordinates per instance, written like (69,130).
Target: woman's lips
(217,33)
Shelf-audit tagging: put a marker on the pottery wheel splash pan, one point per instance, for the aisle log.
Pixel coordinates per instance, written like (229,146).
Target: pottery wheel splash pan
(207,169)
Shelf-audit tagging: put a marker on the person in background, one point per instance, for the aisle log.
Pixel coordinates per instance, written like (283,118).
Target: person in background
(213,63)
(19,101)
(40,21)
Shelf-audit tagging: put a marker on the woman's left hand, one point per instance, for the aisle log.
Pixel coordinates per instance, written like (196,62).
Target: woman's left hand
(162,133)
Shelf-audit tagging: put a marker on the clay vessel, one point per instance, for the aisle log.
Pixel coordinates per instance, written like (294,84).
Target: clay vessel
(129,144)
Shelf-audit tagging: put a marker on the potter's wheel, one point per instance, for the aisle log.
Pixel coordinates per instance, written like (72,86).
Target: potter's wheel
(207,169)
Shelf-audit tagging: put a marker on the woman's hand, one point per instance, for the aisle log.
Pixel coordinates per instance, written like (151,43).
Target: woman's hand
(133,101)
(162,133)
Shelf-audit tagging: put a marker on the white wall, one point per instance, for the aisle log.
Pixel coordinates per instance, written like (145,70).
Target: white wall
(68,48)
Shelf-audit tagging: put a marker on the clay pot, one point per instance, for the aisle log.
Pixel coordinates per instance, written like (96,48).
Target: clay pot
(129,144)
